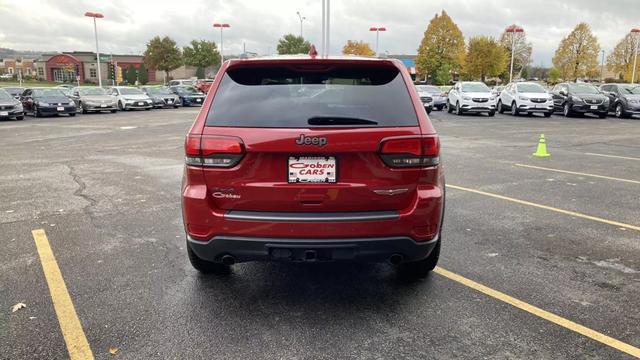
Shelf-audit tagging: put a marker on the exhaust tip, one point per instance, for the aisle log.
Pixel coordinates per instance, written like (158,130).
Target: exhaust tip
(396,259)
(228,260)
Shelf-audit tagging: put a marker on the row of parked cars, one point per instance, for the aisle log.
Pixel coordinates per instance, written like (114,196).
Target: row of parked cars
(16,102)
(623,100)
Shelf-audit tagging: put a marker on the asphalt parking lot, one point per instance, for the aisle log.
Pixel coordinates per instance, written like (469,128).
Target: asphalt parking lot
(540,257)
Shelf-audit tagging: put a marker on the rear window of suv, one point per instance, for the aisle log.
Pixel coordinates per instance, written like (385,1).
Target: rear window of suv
(288,96)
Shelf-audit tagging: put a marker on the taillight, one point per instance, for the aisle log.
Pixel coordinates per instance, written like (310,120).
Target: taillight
(411,152)
(213,151)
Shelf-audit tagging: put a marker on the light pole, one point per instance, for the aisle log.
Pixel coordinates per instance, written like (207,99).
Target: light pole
(513,29)
(635,57)
(95,31)
(222,27)
(377,30)
(302,18)
(602,68)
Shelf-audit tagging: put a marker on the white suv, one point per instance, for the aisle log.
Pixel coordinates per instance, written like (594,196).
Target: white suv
(472,97)
(525,97)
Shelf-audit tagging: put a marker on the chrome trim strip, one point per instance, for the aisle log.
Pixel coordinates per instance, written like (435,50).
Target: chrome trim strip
(310,216)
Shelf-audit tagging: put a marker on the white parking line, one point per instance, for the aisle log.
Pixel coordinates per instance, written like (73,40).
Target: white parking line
(579,173)
(614,156)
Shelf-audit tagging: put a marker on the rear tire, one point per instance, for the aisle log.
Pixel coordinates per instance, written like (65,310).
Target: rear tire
(204,266)
(567,110)
(421,268)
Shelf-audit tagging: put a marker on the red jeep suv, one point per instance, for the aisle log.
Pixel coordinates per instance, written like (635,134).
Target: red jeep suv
(309,159)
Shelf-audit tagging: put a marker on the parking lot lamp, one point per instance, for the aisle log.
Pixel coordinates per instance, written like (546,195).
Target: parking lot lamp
(635,57)
(514,30)
(302,18)
(95,31)
(222,27)
(377,30)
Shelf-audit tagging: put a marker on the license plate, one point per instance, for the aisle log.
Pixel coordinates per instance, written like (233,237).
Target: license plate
(103,105)
(4,113)
(60,108)
(426,104)
(140,104)
(170,101)
(319,169)
(593,107)
(198,100)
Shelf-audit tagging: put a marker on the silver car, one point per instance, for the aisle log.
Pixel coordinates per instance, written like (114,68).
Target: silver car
(162,96)
(93,99)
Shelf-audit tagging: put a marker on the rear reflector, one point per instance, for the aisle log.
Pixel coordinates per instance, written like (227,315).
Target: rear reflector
(213,151)
(411,152)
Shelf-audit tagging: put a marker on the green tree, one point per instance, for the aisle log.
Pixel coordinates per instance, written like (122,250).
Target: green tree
(201,54)
(361,48)
(577,54)
(163,54)
(131,75)
(522,51)
(621,58)
(200,72)
(554,75)
(443,76)
(291,44)
(485,57)
(143,75)
(442,46)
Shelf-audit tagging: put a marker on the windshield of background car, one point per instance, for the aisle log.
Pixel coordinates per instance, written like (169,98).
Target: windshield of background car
(530,88)
(428,89)
(188,90)
(48,93)
(629,89)
(287,97)
(583,89)
(159,91)
(130,91)
(5,95)
(475,87)
(91,91)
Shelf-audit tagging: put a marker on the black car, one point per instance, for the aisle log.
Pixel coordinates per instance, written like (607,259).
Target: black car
(14,91)
(161,96)
(10,107)
(624,99)
(577,98)
(47,101)
(189,95)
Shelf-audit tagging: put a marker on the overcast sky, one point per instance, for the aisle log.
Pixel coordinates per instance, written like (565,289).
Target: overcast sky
(59,25)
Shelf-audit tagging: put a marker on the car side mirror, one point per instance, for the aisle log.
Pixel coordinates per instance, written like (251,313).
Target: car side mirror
(562,92)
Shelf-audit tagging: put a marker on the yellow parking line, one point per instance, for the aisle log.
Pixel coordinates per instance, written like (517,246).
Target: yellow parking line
(580,173)
(74,337)
(567,324)
(545,207)
(614,156)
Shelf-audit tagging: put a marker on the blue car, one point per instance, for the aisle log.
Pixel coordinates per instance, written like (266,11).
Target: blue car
(189,95)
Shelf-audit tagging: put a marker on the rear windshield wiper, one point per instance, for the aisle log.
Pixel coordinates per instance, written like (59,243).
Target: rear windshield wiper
(339,120)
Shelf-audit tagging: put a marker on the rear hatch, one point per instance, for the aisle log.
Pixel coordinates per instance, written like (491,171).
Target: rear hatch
(300,137)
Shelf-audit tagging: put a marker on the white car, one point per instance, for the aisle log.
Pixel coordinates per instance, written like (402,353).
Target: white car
(525,98)
(471,97)
(180,82)
(131,98)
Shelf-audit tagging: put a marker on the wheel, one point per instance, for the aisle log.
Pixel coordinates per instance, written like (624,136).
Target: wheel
(428,110)
(449,109)
(547,114)
(36,112)
(20,117)
(72,114)
(176,106)
(421,268)
(602,115)
(84,111)
(458,110)
(120,106)
(567,110)
(492,113)
(620,113)
(514,109)
(204,266)
(500,108)
(147,109)
(114,111)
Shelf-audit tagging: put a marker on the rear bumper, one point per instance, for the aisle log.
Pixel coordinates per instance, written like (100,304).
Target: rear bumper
(311,250)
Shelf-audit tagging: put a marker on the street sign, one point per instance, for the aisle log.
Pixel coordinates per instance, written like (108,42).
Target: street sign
(105,58)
